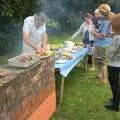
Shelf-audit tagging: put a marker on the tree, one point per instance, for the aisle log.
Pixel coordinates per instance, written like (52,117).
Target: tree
(17,9)
(12,14)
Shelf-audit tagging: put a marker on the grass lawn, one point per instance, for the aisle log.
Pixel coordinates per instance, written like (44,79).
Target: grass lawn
(84,96)
(58,40)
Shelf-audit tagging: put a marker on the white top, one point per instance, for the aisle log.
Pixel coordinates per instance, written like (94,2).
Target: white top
(35,34)
(83,28)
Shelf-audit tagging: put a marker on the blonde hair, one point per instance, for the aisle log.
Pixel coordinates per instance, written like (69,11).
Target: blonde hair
(104,9)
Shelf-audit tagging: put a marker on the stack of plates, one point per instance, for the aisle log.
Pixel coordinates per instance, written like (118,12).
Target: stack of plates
(69,45)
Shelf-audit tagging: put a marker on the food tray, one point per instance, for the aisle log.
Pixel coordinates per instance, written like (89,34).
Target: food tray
(15,62)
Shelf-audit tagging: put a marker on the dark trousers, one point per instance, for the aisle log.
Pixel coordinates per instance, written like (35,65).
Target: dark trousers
(114,80)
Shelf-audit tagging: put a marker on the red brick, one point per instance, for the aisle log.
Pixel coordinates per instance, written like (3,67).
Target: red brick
(23,89)
(5,116)
(35,102)
(26,108)
(46,109)
(16,115)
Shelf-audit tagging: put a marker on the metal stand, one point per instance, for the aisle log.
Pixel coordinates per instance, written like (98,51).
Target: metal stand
(61,90)
(93,57)
(86,63)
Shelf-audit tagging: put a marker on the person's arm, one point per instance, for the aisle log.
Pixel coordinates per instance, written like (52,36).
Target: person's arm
(77,32)
(26,38)
(26,33)
(45,40)
(96,34)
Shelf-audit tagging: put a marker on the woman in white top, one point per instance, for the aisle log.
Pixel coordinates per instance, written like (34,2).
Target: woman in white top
(34,33)
(86,30)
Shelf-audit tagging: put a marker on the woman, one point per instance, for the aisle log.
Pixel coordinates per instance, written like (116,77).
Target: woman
(114,65)
(103,41)
(86,30)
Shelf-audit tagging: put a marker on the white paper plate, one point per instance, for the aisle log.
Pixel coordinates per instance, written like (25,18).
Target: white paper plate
(61,61)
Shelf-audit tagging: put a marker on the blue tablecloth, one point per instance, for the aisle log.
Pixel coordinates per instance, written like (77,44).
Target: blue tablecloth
(67,67)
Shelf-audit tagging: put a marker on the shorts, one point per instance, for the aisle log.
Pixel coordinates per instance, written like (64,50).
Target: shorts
(100,56)
(100,62)
(91,43)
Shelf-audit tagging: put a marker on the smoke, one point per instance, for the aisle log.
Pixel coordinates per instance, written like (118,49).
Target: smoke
(10,38)
(53,8)
(56,12)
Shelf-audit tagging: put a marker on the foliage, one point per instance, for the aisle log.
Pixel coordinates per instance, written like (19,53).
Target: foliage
(10,38)
(52,23)
(68,13)
(12,14)
(17,9)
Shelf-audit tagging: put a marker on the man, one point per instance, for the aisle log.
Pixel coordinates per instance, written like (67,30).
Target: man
(34,33)
(114,66)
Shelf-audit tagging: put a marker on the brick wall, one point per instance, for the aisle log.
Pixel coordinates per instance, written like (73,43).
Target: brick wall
(22,94)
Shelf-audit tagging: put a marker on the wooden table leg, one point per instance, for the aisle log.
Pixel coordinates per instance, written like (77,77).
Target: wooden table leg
(61,91)
(86,62)
(93,58)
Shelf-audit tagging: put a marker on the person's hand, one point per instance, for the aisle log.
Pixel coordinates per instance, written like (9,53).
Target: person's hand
(41,51)
(103,34)
(37,49)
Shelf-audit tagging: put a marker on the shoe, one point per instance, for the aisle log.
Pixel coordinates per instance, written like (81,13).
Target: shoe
(112,107)
(109,102)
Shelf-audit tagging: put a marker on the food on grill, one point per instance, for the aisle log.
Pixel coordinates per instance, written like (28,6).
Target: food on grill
(3,73)
(42,52)
(23,61)
(25,58)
